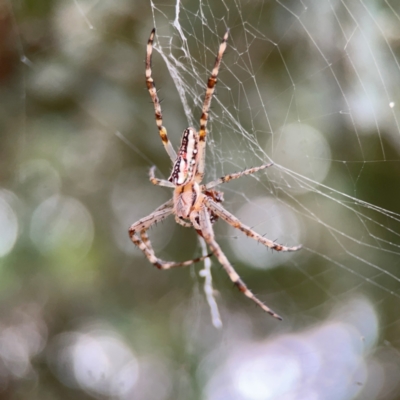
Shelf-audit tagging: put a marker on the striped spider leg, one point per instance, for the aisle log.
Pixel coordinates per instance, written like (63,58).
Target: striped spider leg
(236,175)
(229,218)
(201,222)
(195,205)
(151,87)
(143,241)
(212,81)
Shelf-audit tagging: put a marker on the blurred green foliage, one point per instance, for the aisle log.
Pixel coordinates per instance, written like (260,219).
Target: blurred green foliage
(78,137)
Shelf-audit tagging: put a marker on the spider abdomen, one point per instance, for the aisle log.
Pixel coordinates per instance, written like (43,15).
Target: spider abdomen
(185,165)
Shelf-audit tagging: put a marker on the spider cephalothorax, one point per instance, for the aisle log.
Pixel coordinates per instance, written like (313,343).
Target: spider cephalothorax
(194,204)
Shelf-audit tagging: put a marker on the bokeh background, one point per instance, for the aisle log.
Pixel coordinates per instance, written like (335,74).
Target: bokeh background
(310,85)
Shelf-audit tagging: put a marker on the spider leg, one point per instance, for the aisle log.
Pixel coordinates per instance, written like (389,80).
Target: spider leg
(153,94)
(236,175)
(143,233)
(182,222)
(167,204)
(204,223)
(212,81)
(138,235)
(232,220)
(146,240)
(159,182)
(161,264)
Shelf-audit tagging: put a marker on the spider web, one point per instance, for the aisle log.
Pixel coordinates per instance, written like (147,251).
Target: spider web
(311,86)
(326,124)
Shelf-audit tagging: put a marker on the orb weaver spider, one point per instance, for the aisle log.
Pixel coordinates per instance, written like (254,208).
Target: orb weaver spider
(195,204)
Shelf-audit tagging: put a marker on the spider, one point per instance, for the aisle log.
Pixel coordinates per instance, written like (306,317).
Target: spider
(194,204)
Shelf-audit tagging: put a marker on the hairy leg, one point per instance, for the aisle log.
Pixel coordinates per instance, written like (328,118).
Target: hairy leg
(202,220)
(233,221)
(236,175)
(151,87)
(212,81)
(159,182)
(138,235)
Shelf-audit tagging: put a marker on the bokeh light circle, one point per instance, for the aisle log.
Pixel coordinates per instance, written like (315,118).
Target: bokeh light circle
(304,150)
(8,224)
(62,225)
(272,219)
